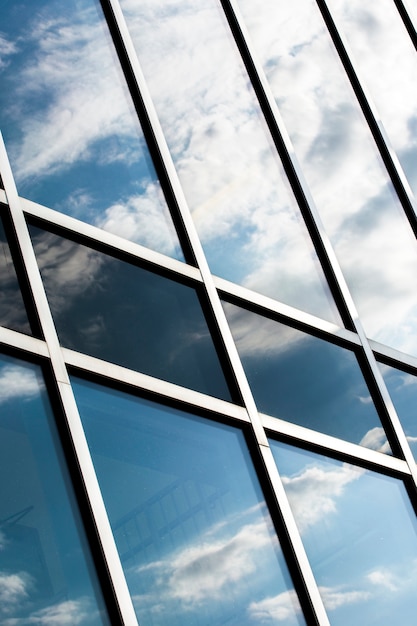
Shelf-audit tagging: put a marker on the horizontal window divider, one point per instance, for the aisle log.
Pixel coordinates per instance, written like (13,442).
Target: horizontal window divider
(24,342)
(329,445)
(117,243)
(287,314)
(92,366)
(395,357)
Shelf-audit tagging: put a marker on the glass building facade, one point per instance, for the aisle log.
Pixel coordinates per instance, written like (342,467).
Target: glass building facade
(208,312)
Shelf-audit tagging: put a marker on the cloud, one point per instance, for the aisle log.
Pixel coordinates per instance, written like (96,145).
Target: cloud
(67,613)
(281,608)
(376,439)
(200,572)
(18,382)
(361,214)
(383,578)
(313,493)
(7,49)
(238,193)
(13,590)
(65,58)
(334,598)
(138,218)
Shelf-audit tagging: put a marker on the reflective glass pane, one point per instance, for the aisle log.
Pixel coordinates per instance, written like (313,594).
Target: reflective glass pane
(72,134)
(361,214)
(387,60)
(46,574)
(12,309)
(195,538)
(360,533)
(123,313)
(402,388)
(245,213)
(305,380)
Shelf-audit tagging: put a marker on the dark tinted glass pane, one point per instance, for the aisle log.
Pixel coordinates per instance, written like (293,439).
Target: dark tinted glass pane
(12,309)
(245,212)
(360,533)
(305,380)
(403,391)
(122,313)
(190,522)
(46,572)
(71,130)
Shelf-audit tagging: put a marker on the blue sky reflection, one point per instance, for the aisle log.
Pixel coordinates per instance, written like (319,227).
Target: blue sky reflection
(192,529)
(46,574)
(360,533)
(72,133)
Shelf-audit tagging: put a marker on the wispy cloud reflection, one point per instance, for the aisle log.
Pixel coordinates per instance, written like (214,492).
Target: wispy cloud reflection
(219,566)
(236,187)
(361,214)
(18,382)
(67,613)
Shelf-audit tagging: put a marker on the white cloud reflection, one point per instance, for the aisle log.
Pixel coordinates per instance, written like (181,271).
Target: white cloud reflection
(13,590)
(218,567)
(281,608)
(18,382)
(313,493)
(334,598)
(241,203)
(364,220)
(67,613)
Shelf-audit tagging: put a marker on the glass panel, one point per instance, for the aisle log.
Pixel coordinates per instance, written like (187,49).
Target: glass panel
(387,59)
(190,522)
(364,219)
(12,309)
(403,391)
(359,531)
(305,380)
(412,11)
(244,210)
(123,313)
(46,574)
(70,127)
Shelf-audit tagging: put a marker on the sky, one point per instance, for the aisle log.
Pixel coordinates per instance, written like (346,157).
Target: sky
(360,534)
(363,218)
(70,128)
(190,521)
(45,573)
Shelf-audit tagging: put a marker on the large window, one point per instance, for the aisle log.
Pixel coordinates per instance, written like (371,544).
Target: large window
(208,313)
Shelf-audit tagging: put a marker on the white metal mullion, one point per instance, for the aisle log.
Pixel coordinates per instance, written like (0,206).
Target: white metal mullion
(72,417)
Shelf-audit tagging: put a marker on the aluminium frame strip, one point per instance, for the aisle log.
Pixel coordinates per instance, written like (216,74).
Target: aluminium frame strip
(122,598)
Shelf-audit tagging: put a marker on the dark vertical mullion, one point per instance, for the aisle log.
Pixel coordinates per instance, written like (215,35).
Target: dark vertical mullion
(408,23)
(384,150)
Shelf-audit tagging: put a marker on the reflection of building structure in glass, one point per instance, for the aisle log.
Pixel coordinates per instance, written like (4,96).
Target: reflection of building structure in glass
(208,318)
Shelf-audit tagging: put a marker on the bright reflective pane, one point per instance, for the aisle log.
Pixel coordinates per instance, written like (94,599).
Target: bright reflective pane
(359,530)
(46,574)
(123,313)
(12,308)
(387,60)
(194,536)
(402,388)
(244,210)
(361,214)
(72,134)
(305,380)
(411,7)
